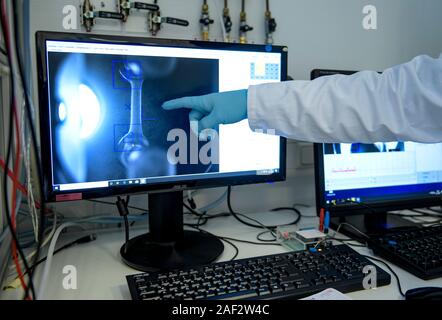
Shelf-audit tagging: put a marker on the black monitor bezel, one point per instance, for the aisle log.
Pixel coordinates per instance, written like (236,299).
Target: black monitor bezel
(51,196)
(348,209)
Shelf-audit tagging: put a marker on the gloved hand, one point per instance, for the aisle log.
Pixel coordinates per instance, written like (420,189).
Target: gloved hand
(213,109)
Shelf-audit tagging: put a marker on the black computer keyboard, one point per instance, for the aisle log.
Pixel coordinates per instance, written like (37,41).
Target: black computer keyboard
(417,250)
(282,276)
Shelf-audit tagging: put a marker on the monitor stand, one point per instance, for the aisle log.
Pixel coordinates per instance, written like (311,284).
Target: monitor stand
(168,246)
(370,224)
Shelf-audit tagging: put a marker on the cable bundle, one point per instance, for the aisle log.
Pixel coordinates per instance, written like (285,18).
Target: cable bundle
(21,137)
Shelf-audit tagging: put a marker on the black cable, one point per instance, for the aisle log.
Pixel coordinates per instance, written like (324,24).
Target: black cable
(298,213)
(258,237)
(124,212)
(259,225)
(33,137)
(220,238)
(113,204)
(193,211)
(234,247)
(346,241)
(252,242)
(81,240)
(30,285)
(85,239)
(391,270)
(201,217)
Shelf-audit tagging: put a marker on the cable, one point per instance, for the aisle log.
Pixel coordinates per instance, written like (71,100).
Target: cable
(258,224)
(258,237)
(220,238)
(85,239)
(113,204)
(234,247)
(122,206)
(296,211)
(346,241)
(46,239)
(34,139)
(391,270)
(47,267)
(353,227)
(251,242)
(199,215)
(15,243)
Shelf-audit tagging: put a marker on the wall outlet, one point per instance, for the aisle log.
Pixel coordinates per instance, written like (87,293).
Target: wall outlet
(304,155)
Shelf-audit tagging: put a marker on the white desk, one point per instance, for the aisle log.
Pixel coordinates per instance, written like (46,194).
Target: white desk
(101,273)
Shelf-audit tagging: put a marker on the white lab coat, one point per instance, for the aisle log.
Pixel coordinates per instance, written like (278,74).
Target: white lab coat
(404,103)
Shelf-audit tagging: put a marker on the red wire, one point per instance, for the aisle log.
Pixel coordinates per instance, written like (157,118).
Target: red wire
(10,174)
(14,196)
(22,188)
(17,158)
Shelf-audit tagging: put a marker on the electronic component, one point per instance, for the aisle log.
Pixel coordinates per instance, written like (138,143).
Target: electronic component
(281,276)
(294,239)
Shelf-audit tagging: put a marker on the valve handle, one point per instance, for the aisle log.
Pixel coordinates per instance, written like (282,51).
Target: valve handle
(110,15)
(176,21)
(246,28)
(206,21)
(146,6)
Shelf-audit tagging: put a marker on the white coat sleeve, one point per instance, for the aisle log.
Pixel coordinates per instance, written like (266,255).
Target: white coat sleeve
(404,103)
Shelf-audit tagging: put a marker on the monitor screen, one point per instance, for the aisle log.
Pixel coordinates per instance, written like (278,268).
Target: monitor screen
(381,172)
(376,176)
(107,130)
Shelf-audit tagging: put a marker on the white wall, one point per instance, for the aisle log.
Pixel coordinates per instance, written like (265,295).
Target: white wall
(319,34)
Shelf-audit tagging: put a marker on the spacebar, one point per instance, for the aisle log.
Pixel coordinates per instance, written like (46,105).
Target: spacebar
(235,295)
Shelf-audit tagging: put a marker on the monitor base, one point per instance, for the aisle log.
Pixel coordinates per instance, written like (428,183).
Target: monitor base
(369,224)
(194,248)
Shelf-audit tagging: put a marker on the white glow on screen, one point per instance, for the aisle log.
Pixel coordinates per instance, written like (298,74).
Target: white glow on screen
(90,110)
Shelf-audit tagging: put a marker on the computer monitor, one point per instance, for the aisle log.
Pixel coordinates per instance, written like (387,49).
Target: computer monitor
(104,133)
(359,183)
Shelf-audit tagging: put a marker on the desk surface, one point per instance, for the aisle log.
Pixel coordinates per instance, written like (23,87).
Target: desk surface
(101,273)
